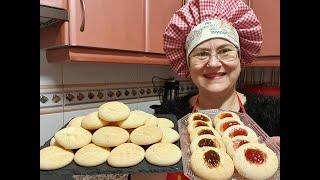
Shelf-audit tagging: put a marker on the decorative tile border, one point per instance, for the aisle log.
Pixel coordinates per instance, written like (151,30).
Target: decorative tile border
(89,96)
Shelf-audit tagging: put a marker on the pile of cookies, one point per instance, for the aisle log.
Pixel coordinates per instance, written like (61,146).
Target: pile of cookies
(113,134)
(221,145)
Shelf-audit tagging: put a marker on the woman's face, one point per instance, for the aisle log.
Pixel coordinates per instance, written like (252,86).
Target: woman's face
(211,74)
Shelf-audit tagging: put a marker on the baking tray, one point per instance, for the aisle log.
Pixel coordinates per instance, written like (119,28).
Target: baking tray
(142,167)
(247,120)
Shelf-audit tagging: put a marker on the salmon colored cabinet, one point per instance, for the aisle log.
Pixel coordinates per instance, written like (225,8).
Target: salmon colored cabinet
(158,14)
(268,12)
(107,24)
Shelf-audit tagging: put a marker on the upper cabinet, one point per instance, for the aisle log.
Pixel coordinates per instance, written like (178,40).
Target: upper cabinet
(158,14)
(268,12)
(107,24)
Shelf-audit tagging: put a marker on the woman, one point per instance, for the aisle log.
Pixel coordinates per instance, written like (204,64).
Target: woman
(208,41)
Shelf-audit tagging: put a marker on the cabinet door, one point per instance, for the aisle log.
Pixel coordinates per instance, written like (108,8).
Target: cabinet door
(62,4)
(107,24)
(268,12)
(158,14)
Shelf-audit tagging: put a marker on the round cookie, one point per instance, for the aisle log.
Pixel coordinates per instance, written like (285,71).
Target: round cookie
(198,116)
(126,155)
(203,130)
(238,130)
(207,140)
(54,157)
(255,161)
(91,155)
(225,123)
(136,118)
(236,142)
(114,111)
(110,136)
(163,154)
(224,114)
(197,123)
(53,142)
(164,122)
(169,135)
(145,135)
(92,122)
(75,122)
(73,137)
(151,121)
(211,163)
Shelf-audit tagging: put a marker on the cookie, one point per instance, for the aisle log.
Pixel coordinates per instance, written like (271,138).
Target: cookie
(91,155)
(54,157)
(75,122)
(224,114)
(73,137)
(238,130)
(151,120)
(169,135)
(110,136)
(198,116)
(255,161)
(146,135)
(163,154)
(225,123)
(136,118)
(203,130)
(207,140)
(114,111)
(197,123)
(236,142)
(211,163)
(164,122)
(126,155)
(53,142)
(93,122)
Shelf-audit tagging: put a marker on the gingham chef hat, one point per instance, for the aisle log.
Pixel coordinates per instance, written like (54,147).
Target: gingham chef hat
(200,20)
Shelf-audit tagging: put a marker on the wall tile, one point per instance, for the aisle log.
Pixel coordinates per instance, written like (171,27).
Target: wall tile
(49,125)
(122,73)
(71,114)
(78,73)
(50,73)
(146,72)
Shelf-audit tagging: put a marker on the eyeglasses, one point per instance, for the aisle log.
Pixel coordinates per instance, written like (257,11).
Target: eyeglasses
(225,54)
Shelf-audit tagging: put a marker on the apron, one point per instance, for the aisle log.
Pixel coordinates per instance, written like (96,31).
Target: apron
(195,108)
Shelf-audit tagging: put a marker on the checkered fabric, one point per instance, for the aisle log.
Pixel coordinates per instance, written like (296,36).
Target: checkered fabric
(235,12)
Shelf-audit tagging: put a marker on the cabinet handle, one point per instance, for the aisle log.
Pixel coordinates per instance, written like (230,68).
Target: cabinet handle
(183,2)
(249,3)
(83,9)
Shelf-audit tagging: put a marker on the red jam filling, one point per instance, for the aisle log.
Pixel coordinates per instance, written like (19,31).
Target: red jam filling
(201,124)
(201,118)
(206,142)
(222,116)
(211,158)
(226,125)
(205,132)
(255,156)
(238,132)
(239,143)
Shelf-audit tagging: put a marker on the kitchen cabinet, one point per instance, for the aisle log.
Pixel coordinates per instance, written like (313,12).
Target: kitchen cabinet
(268,13)
(158,14)
(107,24)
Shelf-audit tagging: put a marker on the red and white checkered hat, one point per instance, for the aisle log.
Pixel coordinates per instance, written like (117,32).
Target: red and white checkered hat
(200,20)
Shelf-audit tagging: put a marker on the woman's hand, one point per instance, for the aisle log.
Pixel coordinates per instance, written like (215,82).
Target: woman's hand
(276,139)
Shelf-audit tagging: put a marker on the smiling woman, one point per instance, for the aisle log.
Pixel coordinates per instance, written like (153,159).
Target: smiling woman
(209,41)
